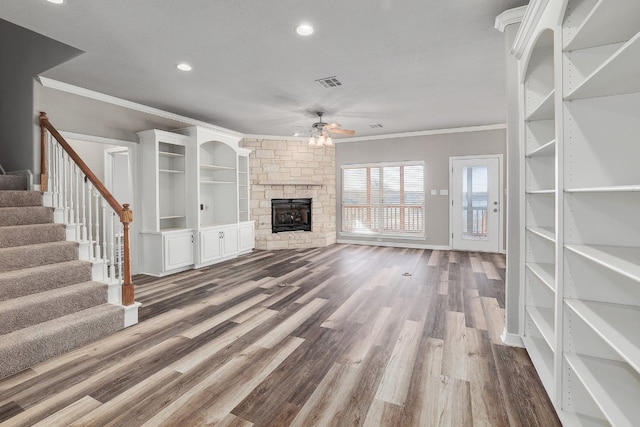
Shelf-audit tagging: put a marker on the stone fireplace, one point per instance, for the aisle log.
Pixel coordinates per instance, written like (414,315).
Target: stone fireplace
(287,169)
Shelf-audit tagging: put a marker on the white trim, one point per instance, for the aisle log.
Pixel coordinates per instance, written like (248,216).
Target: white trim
(509,17)
(280,138)
(394,244)
(512,340)
(501,222)
(87,93)
(365,235)
(98,139)
(529,23)
(131,314)
(383,164)
(423,133)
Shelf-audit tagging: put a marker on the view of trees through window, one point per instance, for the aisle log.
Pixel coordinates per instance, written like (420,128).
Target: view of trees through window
(383,199)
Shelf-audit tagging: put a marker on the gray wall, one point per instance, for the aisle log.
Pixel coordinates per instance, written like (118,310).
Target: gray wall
(435,151)
(74,113)
(512,322)
(23,55)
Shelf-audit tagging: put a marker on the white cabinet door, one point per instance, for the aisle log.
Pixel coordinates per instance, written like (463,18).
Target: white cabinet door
(229,241)
(178,250)
(210,248)
(246,235)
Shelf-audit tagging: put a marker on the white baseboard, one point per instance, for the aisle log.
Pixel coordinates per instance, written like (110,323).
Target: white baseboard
(512,340)
(394,244)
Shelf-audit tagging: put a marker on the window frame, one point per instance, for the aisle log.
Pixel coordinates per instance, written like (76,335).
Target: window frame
(381,233)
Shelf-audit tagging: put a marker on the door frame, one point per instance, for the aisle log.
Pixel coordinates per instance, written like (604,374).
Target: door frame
(501,191)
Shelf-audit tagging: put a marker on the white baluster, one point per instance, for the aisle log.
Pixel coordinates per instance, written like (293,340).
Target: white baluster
(84,209)
(49,150)
(96,197)
(63,186)
(104,237)
(112,237)
(56,178)
(119,248)
(70,186)
(76,180)
(90,219)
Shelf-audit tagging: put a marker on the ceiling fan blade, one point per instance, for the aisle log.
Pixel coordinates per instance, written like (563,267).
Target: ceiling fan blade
(342,131)
(331,126)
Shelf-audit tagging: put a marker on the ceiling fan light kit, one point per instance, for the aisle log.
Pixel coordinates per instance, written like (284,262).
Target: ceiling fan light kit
(320,132)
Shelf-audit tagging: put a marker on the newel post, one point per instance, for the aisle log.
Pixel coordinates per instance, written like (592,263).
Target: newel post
(43,151)
(126,217)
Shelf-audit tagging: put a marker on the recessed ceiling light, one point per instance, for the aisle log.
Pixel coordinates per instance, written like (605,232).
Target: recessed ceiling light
(56,1)
(183,67)
(304,29)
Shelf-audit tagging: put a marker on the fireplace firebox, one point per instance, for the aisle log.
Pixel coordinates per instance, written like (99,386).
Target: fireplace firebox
(290,215)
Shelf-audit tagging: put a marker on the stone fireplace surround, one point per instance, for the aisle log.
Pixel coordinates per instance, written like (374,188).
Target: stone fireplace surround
(288,169)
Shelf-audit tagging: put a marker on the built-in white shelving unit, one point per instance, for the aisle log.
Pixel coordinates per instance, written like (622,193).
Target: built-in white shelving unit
(195,182)
(221,195)
(540,205)
(581,232)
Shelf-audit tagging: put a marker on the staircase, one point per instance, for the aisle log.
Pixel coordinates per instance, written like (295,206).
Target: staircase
(48,302)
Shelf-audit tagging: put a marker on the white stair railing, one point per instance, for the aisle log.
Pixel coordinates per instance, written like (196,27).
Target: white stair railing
(98,221)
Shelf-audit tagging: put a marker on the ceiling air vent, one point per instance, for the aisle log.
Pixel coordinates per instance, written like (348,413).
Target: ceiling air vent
(328,82)
(377,125)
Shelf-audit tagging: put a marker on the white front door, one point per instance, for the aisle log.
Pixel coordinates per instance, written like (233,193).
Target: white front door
(476,201)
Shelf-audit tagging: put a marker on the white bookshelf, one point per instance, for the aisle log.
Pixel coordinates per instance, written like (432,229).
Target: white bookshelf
(539,147)
(219,196)
(581,232)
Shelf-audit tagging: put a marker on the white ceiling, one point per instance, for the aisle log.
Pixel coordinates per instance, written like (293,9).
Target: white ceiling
(409,65)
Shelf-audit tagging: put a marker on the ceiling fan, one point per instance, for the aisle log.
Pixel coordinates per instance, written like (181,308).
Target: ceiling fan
(321,132)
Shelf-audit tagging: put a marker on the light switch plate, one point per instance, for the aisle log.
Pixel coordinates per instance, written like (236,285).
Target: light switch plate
(434,192)
(444,192)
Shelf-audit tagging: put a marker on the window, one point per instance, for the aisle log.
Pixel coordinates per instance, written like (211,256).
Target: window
(383,199)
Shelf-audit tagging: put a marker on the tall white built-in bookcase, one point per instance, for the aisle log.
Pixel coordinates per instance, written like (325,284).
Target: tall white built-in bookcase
(581,235)
(195,197)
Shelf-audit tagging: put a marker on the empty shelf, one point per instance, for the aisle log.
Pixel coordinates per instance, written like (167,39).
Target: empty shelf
(545,272)
(623,260)
(544,232)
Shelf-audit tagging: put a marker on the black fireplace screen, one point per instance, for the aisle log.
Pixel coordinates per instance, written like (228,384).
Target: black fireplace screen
(290,215)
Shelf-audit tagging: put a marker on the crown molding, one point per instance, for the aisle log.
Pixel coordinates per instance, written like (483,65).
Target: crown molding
(508,17)
(529,23)
(87,93)
(422,133)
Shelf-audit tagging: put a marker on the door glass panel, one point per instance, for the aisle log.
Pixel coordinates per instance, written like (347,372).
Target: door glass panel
(475,201)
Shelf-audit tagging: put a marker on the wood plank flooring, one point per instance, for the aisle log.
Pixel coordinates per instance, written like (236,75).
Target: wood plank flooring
(338,336)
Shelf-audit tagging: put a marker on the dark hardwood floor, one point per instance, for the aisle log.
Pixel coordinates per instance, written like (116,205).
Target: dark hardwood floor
(339,336)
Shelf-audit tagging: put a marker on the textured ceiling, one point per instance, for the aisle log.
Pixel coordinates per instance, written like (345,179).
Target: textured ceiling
(409,65)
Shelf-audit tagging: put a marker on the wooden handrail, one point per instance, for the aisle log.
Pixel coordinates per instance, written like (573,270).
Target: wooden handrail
(123,211)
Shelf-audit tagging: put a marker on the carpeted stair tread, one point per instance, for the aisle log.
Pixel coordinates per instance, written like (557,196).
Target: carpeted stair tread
(18,283)
(13,182)
(25,215)
(13,198)
(32,309)
(40,254)
(26,347)
(20,235)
